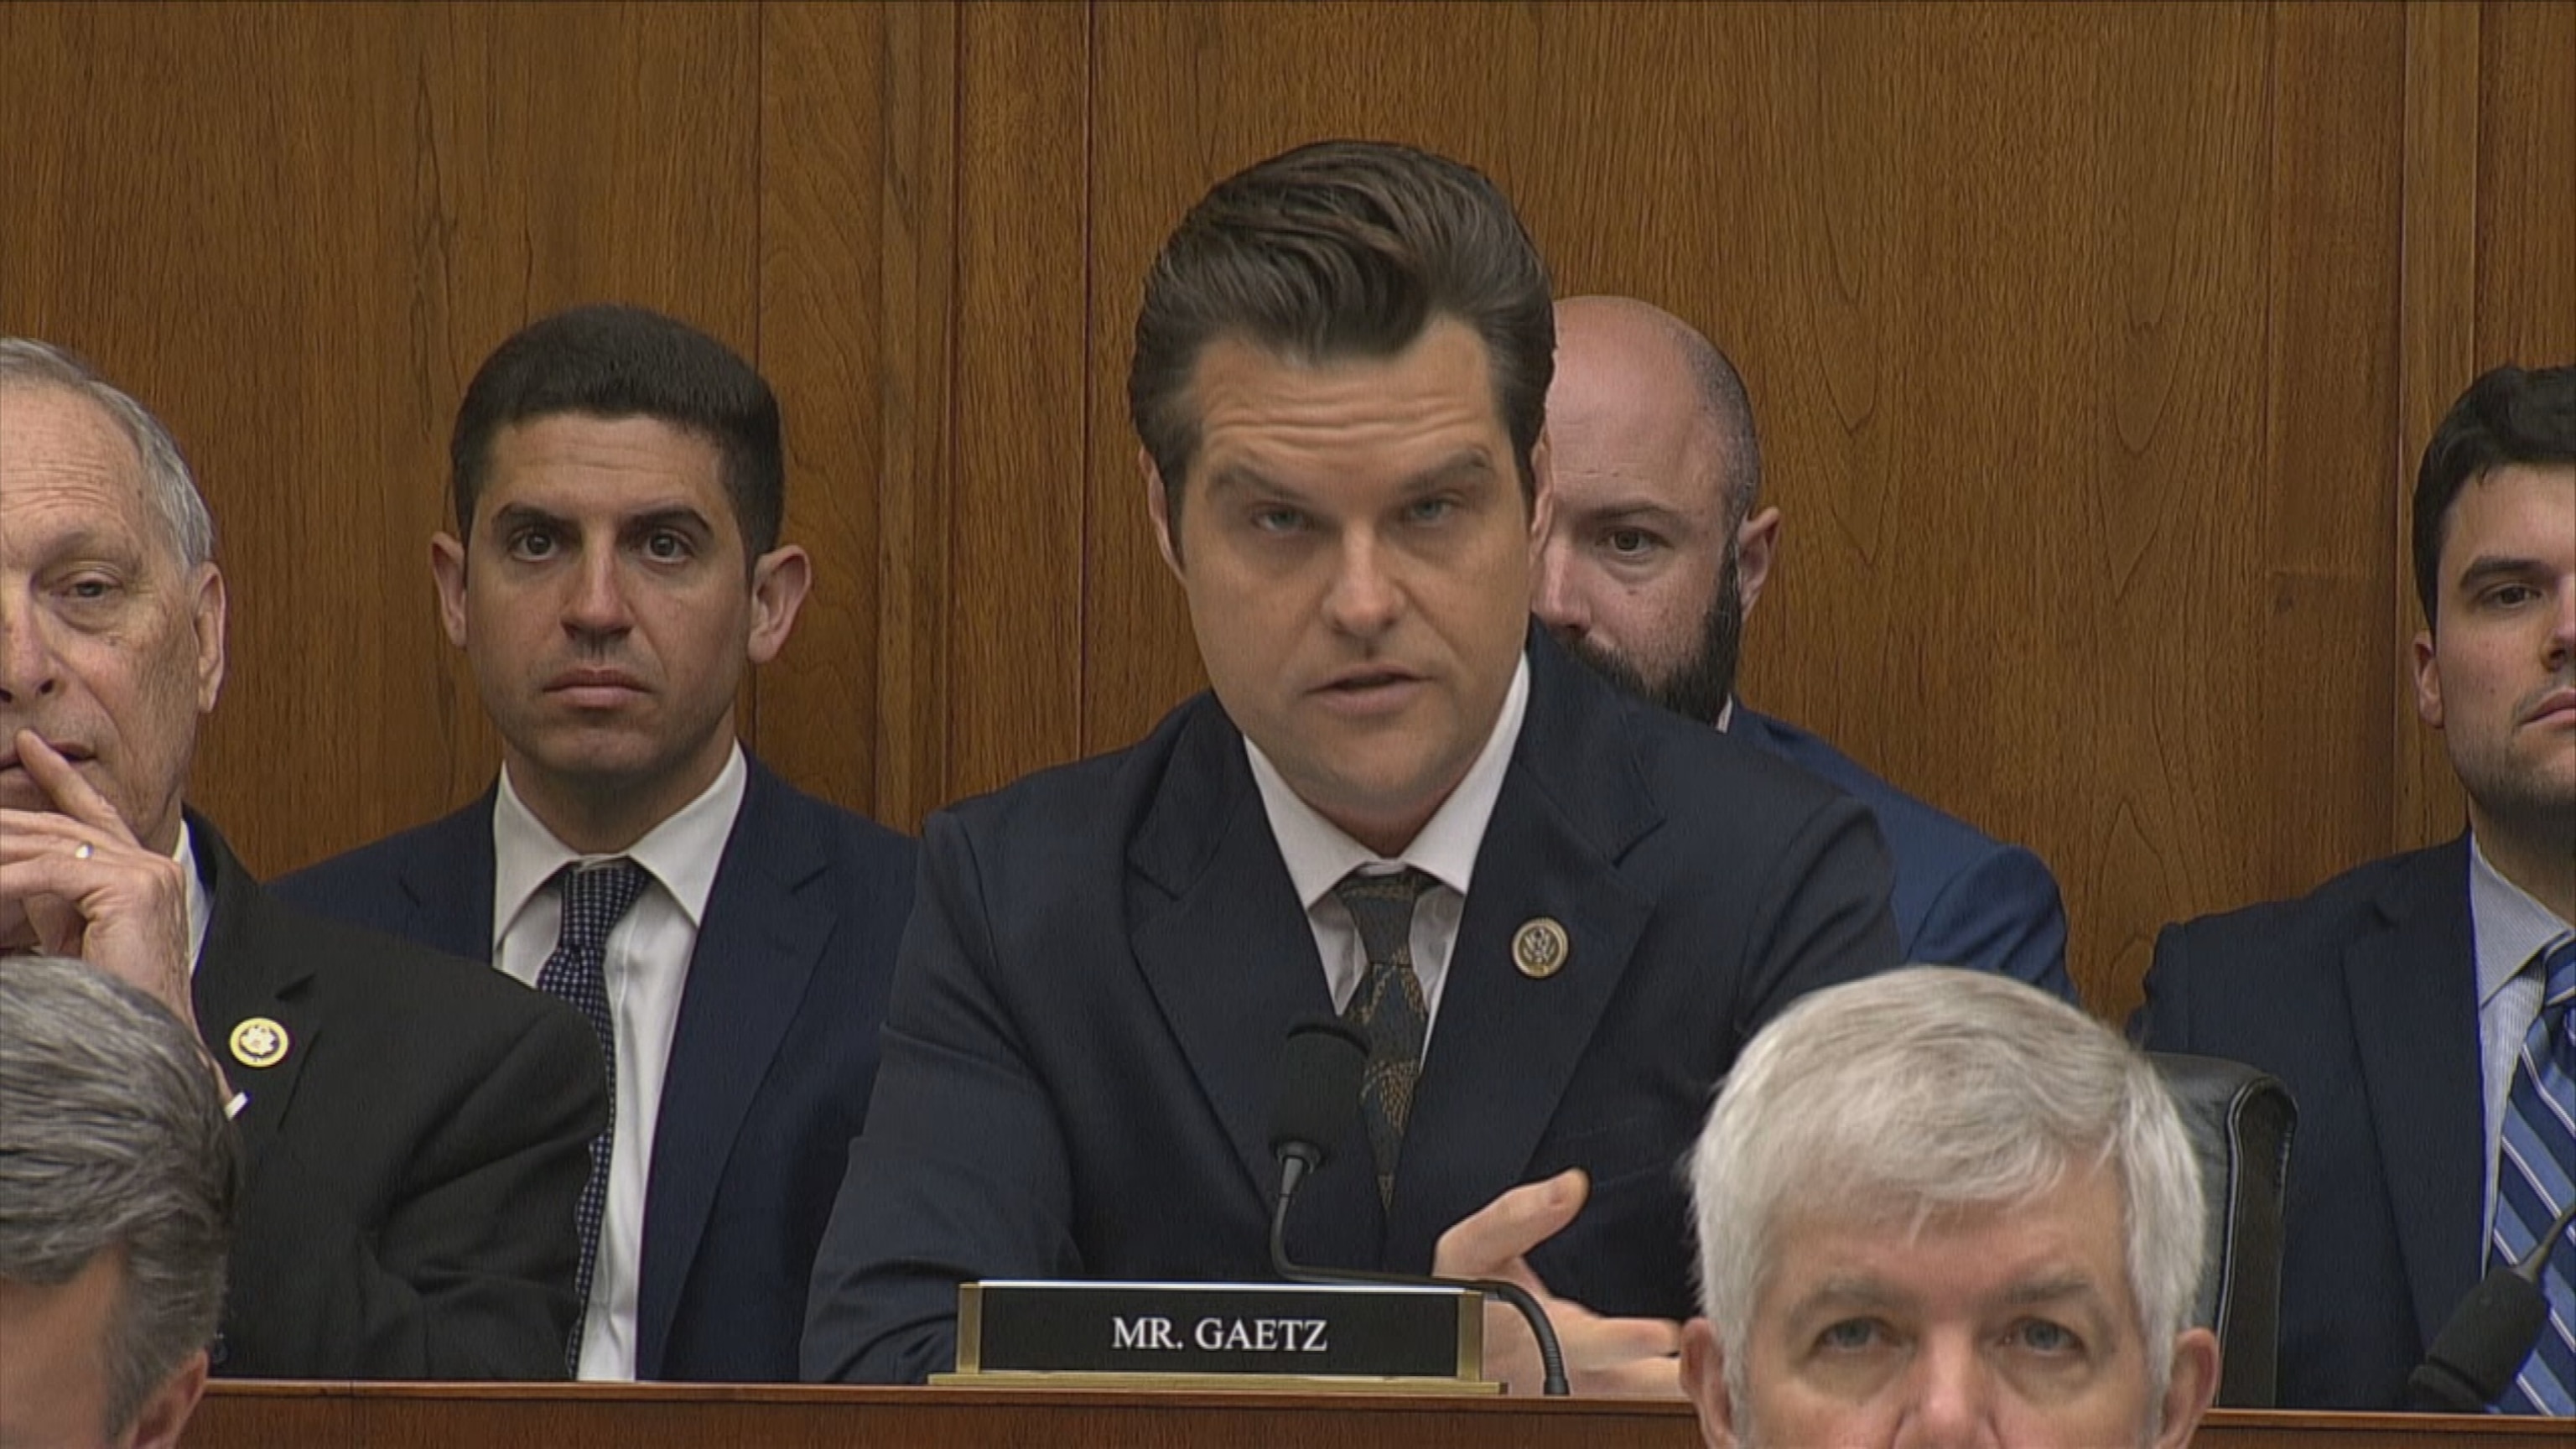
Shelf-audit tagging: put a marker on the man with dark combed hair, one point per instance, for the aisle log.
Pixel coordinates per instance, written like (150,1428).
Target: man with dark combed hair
(1554,913)
(116,1198)
(2422,1008)
(615,573)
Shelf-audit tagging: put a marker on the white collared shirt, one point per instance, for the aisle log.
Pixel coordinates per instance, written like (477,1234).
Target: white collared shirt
(646,968)
(201,906)
(1319,854)
(2507,927)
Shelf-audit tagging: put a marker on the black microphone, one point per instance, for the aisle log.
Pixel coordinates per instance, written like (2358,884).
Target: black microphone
(2474,1357)
(1320,1069)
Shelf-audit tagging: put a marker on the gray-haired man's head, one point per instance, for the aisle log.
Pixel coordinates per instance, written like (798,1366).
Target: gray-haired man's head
(116,1199)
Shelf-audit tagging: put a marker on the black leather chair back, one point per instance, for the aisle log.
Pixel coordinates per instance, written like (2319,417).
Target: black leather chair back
(2241,1121)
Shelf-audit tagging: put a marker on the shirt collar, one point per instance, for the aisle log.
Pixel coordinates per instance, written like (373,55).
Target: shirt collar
(201,902)
(1319,853)
(2507,924)
(681,853)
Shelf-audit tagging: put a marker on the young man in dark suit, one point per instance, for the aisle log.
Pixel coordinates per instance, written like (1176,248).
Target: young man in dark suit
(619,482)
(1656,556)
(2418,1006)
(1400,802)
(414,1132)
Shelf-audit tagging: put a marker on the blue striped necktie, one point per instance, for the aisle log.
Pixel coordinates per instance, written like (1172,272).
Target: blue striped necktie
(2535,1179)
(595,899)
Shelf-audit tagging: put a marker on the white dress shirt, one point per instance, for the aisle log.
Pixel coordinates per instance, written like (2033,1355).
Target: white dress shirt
(2507,927)
(201,906)
(647,965)
(1319,854)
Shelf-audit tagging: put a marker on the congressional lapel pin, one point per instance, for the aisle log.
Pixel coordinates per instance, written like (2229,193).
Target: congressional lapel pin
(1539,948)
(259,1042)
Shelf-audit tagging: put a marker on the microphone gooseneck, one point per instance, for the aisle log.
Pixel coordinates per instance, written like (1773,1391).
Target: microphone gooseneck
(2474,1358)
(1319,1089)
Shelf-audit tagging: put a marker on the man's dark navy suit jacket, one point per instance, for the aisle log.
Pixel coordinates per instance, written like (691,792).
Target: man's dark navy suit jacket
(2363,998)
(770,1068)
(1082,1047)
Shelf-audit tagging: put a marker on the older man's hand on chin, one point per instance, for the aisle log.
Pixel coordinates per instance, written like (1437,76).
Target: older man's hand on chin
(75,882)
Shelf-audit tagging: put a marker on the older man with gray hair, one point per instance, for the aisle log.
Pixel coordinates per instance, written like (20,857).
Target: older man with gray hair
(1939,1207)
(116,1195)
(417,1129)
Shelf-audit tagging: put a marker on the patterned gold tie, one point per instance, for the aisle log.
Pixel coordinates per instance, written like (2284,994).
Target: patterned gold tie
(1387,1008)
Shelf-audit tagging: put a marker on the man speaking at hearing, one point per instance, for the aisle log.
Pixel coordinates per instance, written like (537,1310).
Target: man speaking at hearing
(1556,913)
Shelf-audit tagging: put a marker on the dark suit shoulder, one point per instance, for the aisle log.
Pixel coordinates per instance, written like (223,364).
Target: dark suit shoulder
(848,833)
(2223,983)
(363,885)
(2324,918)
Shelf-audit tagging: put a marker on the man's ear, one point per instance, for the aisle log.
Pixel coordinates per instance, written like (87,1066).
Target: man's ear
(207,617)
(1158,508)
(165,1412)
(2191,1387)
(2428,681)
(447,570)
(779,581)
(1704,1379)
(1754,542)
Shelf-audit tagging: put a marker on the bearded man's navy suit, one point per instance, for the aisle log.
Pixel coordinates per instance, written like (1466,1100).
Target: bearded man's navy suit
(1962,897)
(1081,1049)
(770,1065)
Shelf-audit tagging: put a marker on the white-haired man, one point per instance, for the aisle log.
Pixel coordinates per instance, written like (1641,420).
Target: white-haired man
(1938,1207)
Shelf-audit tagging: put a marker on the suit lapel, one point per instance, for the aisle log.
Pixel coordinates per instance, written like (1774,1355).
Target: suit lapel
(2415,1020)
(448,879)
(1504,1046)
(1225,948)
(756,950)
(247,972)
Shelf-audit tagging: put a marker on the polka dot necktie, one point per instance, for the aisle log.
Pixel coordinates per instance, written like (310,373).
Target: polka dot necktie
(2535,1178)
(1387,1008)
(595,899)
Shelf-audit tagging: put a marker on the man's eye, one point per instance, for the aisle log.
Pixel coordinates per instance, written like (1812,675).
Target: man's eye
(1429,510)
(666,546)
(1849,1336)
(89,590)
(1630,542)
(2041,1336)
(2510,595)
(1278,520)
(534,543)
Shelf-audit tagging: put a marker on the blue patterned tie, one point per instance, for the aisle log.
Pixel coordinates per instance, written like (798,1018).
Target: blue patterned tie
(1387,1008)
(595,898)
(2535,1179)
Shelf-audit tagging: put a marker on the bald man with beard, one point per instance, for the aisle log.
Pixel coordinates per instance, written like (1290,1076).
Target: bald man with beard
(1658,552)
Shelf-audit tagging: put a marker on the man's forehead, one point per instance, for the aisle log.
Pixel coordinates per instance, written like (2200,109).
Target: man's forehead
(577,458)
(70,468)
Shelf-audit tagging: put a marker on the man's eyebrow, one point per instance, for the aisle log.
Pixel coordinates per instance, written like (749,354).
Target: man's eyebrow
(1242,478)
(1615,514)
(2490,568)
(1459,468)
(515,515)
(2055,1288)
(1846,1292)
(677,515)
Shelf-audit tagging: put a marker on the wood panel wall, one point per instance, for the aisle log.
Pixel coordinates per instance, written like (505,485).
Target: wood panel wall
(2092,347)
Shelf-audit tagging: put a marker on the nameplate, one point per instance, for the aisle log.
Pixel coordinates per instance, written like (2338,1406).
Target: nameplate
(1219,1335)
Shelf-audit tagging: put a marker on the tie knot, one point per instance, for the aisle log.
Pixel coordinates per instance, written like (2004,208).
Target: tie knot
(2558,971)
(596,898)
(1382,907)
